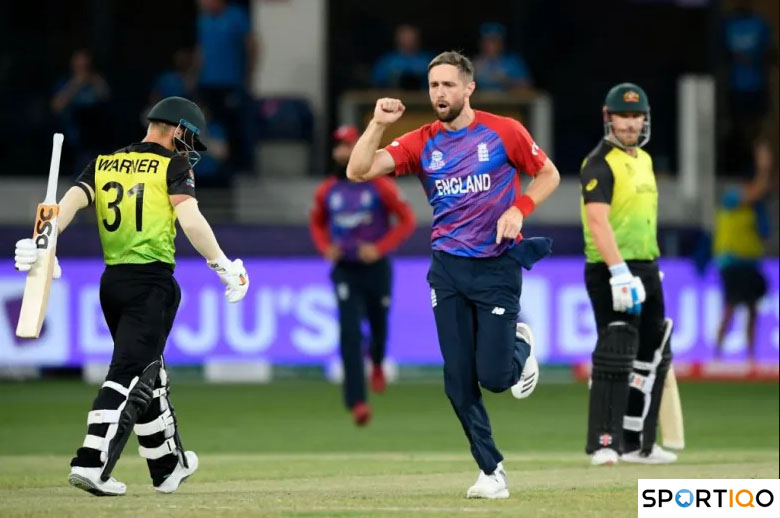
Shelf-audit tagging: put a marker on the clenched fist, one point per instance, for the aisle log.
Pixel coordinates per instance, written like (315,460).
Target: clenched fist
(388,110)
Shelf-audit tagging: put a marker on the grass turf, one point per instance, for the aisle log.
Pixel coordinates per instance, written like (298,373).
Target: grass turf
(290,449)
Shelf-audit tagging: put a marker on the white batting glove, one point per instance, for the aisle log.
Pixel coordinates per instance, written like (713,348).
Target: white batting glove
(628,292)
(27,254)
(233,275)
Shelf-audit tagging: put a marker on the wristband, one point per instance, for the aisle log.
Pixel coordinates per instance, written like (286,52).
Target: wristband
(619,269)
(220,264)
(525,204)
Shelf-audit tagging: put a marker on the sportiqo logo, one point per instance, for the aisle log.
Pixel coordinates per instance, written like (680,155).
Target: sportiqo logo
(708,498)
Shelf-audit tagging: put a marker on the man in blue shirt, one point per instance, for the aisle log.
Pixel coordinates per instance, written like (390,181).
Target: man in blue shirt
(407,66)
(495,68)
(228,53)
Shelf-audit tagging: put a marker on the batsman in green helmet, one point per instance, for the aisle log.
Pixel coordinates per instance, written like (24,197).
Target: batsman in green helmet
(139,192)
(619,211)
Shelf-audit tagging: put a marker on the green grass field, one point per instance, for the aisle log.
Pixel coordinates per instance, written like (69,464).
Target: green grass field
(289,449)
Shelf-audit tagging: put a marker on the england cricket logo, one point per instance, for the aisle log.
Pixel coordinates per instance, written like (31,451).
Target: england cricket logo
(482,152)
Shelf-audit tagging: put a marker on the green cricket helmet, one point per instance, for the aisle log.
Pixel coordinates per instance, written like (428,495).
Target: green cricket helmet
(185,114)
(628,98)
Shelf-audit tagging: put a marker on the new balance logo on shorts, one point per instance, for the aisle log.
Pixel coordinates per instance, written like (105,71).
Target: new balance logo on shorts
(498,311)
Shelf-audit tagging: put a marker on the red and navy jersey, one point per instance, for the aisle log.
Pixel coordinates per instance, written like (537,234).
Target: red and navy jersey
(348,214)
(470,176)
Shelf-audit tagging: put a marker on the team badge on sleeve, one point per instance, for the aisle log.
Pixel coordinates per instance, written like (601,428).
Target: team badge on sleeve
(591,185)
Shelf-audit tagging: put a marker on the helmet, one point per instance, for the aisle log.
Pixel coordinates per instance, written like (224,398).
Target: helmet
(181,112)
(624,98)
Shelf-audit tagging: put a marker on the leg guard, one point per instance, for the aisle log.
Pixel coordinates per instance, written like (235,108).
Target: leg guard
(138,399)
(158,436)
(101,425)
(615,351)
(646,382)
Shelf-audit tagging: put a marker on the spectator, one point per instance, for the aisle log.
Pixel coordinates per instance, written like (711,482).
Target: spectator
(228,55)
(496,69)
(407,66)
(178,81)
(78,103)
(749,52)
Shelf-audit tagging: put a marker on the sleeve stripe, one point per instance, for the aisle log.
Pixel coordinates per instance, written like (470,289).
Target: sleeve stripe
(83,187)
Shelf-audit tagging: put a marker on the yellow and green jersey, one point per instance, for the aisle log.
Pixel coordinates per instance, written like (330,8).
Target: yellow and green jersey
(136,220)
(737,234)
(611,175)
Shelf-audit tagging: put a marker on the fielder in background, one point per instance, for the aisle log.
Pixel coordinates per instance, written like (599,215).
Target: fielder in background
(351,226)
(633,353)
(469,163)
(139,192)
(741,226)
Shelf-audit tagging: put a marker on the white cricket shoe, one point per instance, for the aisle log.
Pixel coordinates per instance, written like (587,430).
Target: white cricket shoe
(88,479)
(604,457)
(493,486)
(530,375)
(657,456)
(180,474)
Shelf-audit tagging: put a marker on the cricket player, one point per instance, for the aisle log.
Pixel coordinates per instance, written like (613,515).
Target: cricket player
(633,353)
(139,192)
(469,163)
(351,225)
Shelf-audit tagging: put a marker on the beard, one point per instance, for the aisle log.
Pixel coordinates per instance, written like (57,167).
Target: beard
(451,114)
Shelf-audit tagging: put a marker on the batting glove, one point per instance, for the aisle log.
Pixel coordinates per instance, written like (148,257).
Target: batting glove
(233,275)
(628,292)
(27,254)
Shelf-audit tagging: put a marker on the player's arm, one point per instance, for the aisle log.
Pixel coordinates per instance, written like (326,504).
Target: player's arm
(367,160)
(199,233)
(318,224)
(76,198)
(544,182)
(597,215)
(597,183)
(181,192)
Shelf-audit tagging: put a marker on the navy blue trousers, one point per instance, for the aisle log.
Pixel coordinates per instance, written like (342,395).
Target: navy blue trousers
(475,304)
(362,291)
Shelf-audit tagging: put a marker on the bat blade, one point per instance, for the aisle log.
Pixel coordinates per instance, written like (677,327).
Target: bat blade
(670,415)
(38,283)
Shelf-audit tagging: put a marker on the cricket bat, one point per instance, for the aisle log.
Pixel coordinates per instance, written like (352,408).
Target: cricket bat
(670,415)
(38,283)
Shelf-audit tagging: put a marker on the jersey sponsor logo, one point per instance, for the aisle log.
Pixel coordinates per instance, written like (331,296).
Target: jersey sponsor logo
(353,219)
(190,181)
(127,166)
(535,149)
(472,183)
(366,198)
(498,311)
(630,96)
(482,152)
(437,160)
(591,185)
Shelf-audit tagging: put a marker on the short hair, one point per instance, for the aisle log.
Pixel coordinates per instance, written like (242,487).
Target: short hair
(456,59)
(161,126)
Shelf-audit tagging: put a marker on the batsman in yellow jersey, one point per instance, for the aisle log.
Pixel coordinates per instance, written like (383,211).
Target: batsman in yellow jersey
(139,192)
(632,354)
